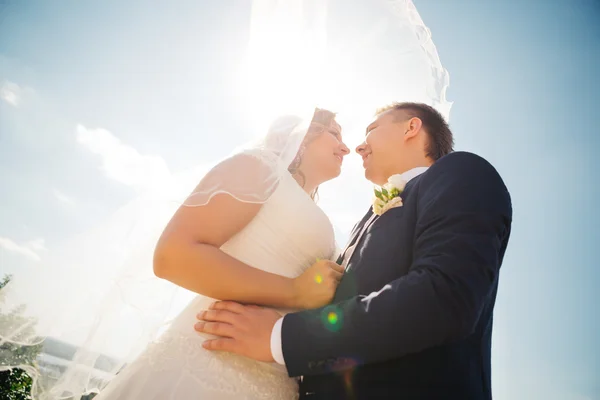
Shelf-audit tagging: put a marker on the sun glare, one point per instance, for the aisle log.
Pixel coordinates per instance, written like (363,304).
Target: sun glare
(287,65)
(295,61)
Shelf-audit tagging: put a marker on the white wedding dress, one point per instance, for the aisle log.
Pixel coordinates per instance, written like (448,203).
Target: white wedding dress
(287,236)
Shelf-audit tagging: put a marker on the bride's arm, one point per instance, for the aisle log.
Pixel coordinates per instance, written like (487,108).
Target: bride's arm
(188,254)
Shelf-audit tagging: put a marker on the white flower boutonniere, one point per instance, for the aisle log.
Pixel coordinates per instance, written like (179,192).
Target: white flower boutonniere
(389,195)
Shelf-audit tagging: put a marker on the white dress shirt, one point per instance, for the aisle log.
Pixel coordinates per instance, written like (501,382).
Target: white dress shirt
(276,347)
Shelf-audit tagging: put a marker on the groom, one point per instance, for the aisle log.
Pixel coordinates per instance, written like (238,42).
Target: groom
(412,317)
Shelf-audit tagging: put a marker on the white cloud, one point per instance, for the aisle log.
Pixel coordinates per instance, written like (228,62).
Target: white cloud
(63,197)
(14,94)
(37,244)
(11,93)
(28,249)
(122,162)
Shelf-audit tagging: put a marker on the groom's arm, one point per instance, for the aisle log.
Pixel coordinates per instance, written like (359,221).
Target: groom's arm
(464,219)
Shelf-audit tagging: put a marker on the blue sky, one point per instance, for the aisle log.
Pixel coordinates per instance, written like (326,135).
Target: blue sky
(156,79)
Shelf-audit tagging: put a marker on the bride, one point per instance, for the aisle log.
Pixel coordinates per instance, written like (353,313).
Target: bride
(247,233)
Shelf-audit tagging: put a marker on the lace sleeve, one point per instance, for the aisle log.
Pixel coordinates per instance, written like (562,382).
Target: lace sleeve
(250,176)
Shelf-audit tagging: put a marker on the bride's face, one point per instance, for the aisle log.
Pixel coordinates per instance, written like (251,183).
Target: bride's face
(323,156)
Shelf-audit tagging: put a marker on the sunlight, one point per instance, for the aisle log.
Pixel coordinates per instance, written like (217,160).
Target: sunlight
(288,67)
(276,53)
(298,59)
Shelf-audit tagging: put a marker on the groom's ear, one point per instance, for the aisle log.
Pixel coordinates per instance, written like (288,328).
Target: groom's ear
(412,128)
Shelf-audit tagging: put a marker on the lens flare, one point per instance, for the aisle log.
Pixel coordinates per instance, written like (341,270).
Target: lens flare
(332,318)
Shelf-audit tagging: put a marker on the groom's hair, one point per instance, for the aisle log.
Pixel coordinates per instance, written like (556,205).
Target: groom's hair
(440,141)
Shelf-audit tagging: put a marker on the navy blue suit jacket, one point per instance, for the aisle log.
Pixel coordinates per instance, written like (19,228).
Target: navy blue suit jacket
(412,317)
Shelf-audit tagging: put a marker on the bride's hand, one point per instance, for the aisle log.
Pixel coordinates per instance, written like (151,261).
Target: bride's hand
(316,286)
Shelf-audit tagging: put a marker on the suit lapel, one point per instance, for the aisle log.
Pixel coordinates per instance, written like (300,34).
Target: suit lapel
(351,251)
(347,255)
(360,229)
(353,235)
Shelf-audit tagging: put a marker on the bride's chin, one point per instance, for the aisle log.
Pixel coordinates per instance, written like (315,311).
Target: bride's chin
(331,172)
(337,173)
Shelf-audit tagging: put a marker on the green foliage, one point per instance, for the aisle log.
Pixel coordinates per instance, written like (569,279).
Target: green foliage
(15,384)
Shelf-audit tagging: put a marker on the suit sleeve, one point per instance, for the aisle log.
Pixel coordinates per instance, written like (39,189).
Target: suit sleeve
(463,222)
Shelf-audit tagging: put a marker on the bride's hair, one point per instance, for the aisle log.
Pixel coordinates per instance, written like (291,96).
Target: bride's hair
(320,122)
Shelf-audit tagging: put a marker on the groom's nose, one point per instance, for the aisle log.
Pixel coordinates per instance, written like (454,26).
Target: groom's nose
(361,148)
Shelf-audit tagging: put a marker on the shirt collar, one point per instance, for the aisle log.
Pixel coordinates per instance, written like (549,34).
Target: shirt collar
(413,173)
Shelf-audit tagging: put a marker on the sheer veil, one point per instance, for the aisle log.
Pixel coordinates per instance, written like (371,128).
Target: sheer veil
(99,305)
(104,304)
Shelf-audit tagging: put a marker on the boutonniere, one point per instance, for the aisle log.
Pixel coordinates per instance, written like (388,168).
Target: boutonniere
(389,195)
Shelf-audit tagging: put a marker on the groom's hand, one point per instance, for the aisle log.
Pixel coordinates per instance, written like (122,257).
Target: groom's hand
(244,330)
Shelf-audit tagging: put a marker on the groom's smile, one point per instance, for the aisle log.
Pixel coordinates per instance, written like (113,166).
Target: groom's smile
(365,158)
(398,139)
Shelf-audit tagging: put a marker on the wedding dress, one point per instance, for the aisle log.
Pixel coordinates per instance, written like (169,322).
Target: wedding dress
(287,236)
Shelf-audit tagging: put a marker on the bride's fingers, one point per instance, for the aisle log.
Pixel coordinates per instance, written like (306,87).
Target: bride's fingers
(227,305)
(336,275)
(215,328)
(336,267)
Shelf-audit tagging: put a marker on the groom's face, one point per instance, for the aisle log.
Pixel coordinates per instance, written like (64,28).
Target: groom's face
(384,146)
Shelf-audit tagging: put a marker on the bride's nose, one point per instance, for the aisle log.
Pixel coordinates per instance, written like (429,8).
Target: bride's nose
(345,150)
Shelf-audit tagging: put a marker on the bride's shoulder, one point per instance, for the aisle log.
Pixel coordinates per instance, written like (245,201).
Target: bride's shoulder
(250,164)
(250,176)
